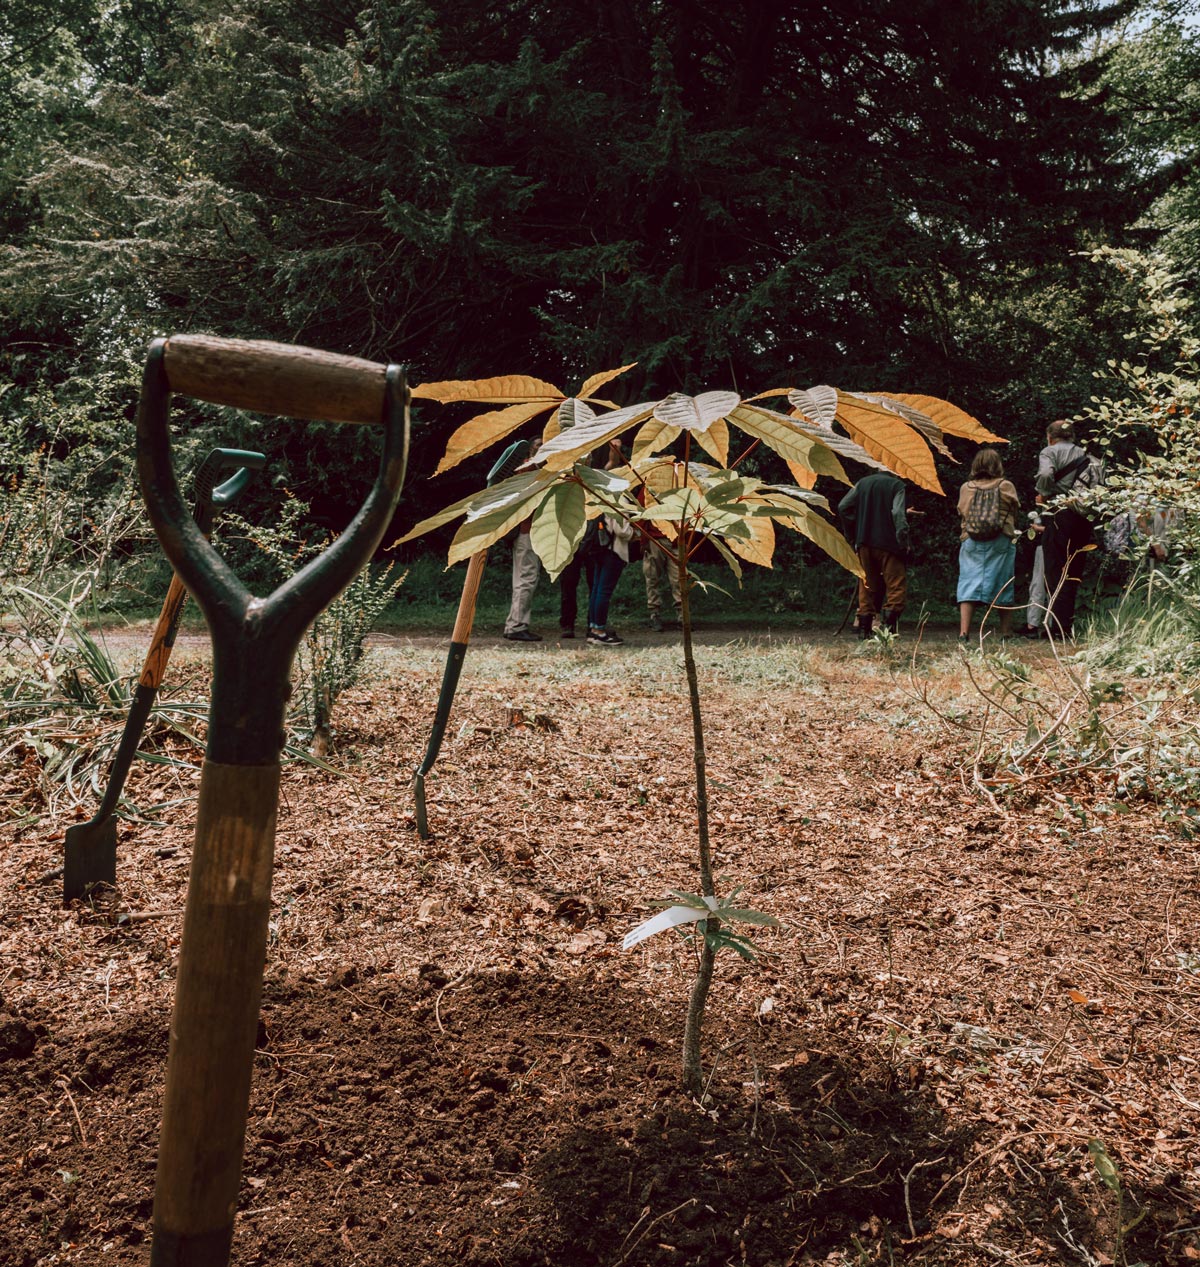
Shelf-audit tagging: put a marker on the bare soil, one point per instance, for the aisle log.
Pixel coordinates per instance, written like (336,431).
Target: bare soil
(459,1065)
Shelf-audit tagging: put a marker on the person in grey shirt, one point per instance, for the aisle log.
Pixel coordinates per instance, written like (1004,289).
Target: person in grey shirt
(1062,465)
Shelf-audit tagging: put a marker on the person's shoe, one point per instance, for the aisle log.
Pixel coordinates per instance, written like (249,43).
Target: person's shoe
(523,635)
(656,624)
(604,638)
(1031,632)
(964,638)
(864,627)
(891,620)
(567,633)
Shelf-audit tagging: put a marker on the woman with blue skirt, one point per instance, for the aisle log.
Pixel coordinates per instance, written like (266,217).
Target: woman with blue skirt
(988,507)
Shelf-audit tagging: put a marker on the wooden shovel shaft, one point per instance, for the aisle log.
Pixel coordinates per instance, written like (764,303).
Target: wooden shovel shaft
(275,378)
(470,595)
(215,1020)
(154,667)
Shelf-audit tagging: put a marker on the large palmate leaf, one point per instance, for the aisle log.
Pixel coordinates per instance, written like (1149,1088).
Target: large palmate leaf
(887,437)
(761,547)
(790,439)
(558,526)
(568,446)
(653,436)
(952,420)
(921,423)
(508,389)
(695,413)
(484,430)
(842,445)
(802,475)
(569,414)
(823,534)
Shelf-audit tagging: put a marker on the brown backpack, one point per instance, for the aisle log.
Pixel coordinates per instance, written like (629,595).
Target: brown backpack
(984,520)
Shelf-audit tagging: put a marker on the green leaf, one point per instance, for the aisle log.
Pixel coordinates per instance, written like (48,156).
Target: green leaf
(731,489)
(675,506)
(827,537)
(558,527)
(746,916)
(789,439)
(522,480)
(1106,1168)
(478,534)
(727,554)
(605,483)
(653,436)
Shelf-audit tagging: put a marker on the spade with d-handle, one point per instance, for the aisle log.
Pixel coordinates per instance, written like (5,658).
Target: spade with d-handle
(509,460)
(221,959)
(90,854)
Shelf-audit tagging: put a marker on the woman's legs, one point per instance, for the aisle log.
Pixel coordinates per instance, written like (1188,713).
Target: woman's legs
(965,612)
(604,567)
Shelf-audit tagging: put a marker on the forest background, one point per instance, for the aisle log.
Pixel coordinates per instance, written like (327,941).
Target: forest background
(903,197)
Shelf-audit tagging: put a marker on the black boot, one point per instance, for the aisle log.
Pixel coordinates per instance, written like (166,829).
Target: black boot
(864,627)
(890,620)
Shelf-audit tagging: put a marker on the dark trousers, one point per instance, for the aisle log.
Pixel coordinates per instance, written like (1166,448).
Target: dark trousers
(1066,537)
(603,567)
(568,591)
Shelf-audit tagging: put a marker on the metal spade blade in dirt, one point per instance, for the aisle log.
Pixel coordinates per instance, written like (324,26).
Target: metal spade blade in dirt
(90,850)
(509,460)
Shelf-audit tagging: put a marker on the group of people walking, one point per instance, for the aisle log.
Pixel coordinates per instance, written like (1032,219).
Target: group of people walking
(876,515)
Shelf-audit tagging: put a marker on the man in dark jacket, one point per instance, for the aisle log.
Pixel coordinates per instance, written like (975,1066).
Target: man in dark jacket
(1062,466)
(876,515)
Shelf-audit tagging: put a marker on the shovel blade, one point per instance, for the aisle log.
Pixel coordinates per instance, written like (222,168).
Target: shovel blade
(90,856)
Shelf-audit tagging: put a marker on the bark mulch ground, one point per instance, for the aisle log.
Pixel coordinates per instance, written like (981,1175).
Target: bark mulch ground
(459,1065)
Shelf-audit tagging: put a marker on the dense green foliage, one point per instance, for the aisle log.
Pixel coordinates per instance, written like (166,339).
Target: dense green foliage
(779,193)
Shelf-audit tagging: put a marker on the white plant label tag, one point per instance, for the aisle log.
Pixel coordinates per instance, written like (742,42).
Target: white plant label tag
(672,917)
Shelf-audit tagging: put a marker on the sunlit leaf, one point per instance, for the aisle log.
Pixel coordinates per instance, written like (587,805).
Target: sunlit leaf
(887,437)
(789,439)
(920,422)
(558,527)
(696,413)
(606,483)
(817,404)
(823,534)
(568,414)
(484,430)
(952,420)
(716,441)
(760,549)
(598,380)
(1106,1168)
(727,490)
(771,391)
(841,444)
(524,481)
(508,389)
(567,446)
(802,475)
(675,505)
(801,494)
(478,534)
(516,488)
(653,436)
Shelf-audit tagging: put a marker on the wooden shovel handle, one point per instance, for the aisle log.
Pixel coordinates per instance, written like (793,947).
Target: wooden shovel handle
(275,378)
(215,1020)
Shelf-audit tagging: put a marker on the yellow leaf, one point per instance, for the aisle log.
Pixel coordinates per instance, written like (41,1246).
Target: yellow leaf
(952,420)
(653,436)
(888,439)
(1077,997)
(484,430)
(771,391)
(827,537)
(659,474)
(598,380)
(716,441)
(788,439)
(509,389)
(803,477)
(761,545)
